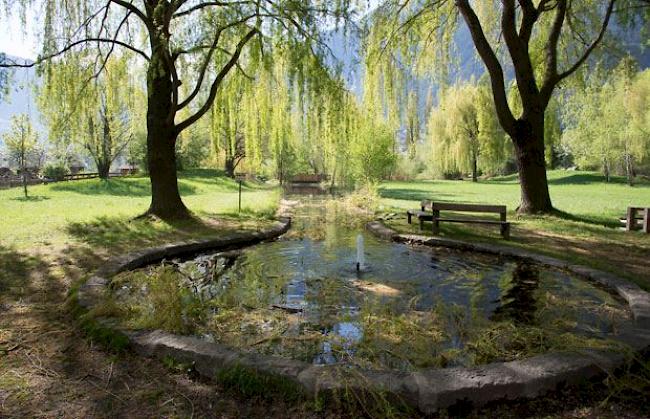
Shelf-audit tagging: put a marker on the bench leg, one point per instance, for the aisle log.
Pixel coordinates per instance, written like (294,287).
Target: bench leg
(408,217)
(436,223)
(631,219)
(421,223)
(505,231)
(646,221)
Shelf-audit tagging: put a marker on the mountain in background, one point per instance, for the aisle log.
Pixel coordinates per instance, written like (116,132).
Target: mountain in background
(345,48)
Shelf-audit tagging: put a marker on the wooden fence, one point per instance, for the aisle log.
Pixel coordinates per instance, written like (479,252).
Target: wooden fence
(16,181)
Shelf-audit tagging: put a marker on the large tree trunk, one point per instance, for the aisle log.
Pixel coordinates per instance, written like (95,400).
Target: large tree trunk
(104,160)
(529,153)
(103,169)
(230,167)
(166,200)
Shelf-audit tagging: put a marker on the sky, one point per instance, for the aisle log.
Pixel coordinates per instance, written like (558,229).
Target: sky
(17,39)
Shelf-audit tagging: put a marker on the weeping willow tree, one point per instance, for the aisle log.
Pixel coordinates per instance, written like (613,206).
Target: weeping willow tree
(464,132)
(544,41)
(227,123)
(412,123)
(188,47)
(608,123)
(97,116)
(285,116)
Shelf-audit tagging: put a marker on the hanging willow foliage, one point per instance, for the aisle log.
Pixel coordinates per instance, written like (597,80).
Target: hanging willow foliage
(288,114)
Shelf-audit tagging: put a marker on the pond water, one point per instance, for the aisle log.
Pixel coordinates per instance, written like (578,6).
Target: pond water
(410,307)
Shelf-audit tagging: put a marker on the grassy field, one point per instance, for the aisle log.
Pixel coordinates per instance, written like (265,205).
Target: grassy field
(59,213)
(587,229)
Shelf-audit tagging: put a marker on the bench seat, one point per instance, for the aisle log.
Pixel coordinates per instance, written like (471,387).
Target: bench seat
(436,207)
(472,221)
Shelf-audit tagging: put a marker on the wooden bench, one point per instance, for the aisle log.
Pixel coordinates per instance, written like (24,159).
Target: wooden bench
(632,218)
(423,214)
(495,209)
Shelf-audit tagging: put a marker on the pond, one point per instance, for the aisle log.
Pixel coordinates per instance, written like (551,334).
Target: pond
(410,307)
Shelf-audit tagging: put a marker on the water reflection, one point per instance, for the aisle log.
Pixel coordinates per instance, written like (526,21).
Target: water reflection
(517,301)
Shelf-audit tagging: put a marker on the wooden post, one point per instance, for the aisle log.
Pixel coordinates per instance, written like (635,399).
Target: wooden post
(436,223)
(505,231)
(646,221)
(631,218)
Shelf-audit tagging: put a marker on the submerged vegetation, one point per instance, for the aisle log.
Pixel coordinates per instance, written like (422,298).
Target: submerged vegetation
(413,309)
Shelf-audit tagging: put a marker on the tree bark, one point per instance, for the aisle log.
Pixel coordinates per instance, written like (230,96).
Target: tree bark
(629,169)
(103,169)
(474,170)
(529,152)
(230,167)
(166,201)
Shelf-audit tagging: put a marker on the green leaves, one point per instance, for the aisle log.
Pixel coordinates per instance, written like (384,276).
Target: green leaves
(609,120)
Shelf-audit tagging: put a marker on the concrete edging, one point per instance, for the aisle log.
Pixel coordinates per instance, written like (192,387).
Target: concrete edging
(428,390)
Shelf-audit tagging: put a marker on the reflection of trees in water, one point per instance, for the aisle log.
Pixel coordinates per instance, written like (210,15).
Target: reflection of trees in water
(517,301)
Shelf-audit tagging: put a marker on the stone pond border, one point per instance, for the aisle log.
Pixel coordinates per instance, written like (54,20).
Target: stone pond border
(429,390)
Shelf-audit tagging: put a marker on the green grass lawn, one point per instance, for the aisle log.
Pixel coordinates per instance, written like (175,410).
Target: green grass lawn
(57,213)
(588,231)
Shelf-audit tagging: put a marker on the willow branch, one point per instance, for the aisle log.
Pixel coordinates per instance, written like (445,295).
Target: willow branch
(217,82)
(41,60)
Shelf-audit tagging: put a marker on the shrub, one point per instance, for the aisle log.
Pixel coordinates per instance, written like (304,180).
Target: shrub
(55,171)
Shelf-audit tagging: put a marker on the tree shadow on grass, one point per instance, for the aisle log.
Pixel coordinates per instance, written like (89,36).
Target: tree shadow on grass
(596,220)
(124,234)
(31,198)
(586,179)
(133,187)
(121,233)
(15,270)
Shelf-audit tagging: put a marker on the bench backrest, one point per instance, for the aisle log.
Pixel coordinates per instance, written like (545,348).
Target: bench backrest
(496,209)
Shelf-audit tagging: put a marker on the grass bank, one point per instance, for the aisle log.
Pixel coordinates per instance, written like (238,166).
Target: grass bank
(102,211)
(587,230)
